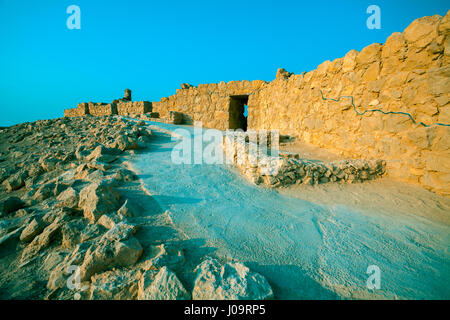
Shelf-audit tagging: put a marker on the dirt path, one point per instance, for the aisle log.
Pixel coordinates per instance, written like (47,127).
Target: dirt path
(310,243)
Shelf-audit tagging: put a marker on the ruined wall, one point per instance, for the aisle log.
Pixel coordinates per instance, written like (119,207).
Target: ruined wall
(208,103)
(123,108)
(136,107)
(101,109)
(72,112)
(81,110)
(286,168)
(409,73)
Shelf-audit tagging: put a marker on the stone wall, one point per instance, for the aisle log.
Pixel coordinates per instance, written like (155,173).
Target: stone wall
(101,109)
(72,112)
(136,107)
(123,108)
(410,73)
(208,103)
(287,168)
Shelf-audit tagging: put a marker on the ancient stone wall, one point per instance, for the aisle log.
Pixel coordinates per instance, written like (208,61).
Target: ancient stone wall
(410,73)
(72,112)
(136,107)
(208,103)
(102,109)
(123,108)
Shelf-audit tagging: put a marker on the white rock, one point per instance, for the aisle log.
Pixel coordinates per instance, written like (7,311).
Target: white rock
(232,281)
(162,286)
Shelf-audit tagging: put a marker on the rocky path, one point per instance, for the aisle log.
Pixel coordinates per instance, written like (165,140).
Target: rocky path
(306,250)
(75,222)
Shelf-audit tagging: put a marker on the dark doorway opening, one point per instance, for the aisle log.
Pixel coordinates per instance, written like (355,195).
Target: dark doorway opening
(237,118)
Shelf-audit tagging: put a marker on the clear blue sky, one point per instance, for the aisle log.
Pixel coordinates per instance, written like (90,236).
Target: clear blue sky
(152,47)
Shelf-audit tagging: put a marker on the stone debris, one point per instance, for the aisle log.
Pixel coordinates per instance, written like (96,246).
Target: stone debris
(97,199)
(34,228)
(231,281)
(106,254)
(288,168)
(114,285)
(68,198)
(63,212)
(164,285)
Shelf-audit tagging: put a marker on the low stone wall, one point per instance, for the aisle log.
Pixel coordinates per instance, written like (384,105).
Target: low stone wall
(406,81)
(102,109)
(123,108)
(73,112)
(288,168)
(135,107)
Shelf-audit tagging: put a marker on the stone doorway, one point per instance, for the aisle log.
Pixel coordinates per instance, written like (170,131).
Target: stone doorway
(237,119)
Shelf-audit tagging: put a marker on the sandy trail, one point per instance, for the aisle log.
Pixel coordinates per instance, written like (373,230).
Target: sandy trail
(308,247)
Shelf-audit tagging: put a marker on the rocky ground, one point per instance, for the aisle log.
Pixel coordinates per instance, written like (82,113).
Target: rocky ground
(76,224)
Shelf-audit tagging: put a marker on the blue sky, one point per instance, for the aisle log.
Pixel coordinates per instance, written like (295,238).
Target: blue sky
(152,47)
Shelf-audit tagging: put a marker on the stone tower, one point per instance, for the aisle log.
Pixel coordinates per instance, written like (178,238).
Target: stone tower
(127,95)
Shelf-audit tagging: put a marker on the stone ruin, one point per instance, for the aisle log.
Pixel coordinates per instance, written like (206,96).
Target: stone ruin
(124,107)
(407,81)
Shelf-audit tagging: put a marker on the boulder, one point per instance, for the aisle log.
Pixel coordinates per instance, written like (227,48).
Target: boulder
(71,233)
(165,254)
(109,220)
(49,164)
(232,281)
(41,241)
(124,142)
(114,285)
(186,86)
(422,31)
(68,198)
(32,230)
(59,274)
(120,231)
(52,260)
(44,192)
(369,54)
(97,199)
(439,80)
(81,153)
(162,286)
(103,154)
(125,175)
(102,166)
(106,254)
